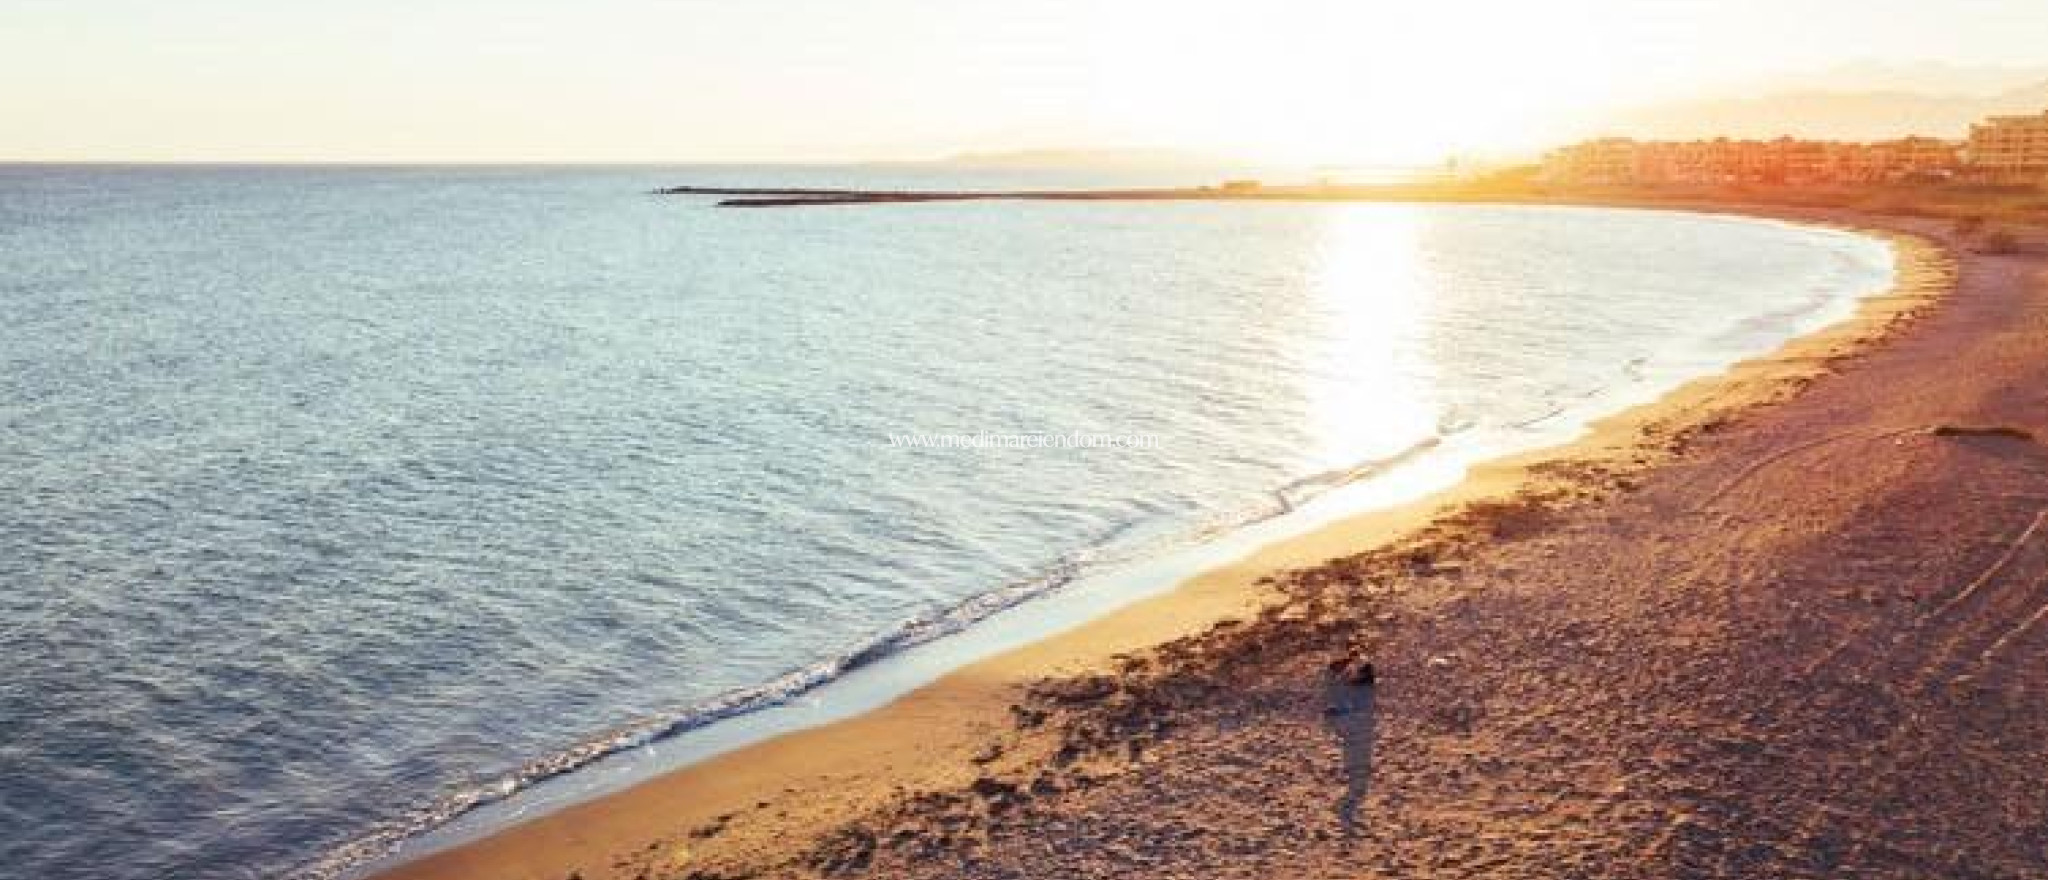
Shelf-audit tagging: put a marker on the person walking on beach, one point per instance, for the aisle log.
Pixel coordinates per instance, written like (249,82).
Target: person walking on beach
(1349,709)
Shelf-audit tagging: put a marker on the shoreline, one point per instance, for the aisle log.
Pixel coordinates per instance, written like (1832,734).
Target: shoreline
(1889,200)
(761,808)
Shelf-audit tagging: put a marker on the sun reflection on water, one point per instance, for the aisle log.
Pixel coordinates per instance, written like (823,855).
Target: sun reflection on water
(1369,394)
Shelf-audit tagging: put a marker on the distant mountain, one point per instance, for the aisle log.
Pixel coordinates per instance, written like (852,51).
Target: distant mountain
(1096,158)
(1922,77)
(1842,115)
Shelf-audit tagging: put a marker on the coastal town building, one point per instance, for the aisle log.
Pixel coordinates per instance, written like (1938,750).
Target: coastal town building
(1615,161)
(1908,156)
(1603,161)
(2001,149)
(2010,149)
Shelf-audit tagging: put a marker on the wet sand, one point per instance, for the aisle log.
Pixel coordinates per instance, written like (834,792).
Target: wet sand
(1787,621)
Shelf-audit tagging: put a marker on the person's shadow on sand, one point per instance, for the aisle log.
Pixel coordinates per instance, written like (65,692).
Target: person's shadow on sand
(1350,710)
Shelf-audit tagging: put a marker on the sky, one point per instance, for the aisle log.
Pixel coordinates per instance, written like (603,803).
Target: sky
(1365,81)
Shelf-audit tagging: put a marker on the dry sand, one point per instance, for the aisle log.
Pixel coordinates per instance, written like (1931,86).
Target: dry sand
(1787,622)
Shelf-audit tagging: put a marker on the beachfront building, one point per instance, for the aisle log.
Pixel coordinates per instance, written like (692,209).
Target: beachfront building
(2010,149)
(1903,158)
(1787,161)
(1603,161)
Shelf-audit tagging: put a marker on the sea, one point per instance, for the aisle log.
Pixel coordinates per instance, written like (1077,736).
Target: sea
(340,504)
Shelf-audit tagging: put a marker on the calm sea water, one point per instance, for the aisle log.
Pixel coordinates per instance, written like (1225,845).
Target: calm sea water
(339,500)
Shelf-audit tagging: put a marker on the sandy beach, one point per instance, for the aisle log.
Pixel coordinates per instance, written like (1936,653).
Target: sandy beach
(1788,621)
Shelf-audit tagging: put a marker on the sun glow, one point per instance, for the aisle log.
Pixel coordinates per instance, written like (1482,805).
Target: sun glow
(1293,82)
(1351,82)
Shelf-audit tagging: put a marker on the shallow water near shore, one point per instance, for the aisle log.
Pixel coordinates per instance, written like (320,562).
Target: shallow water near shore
(355,499)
